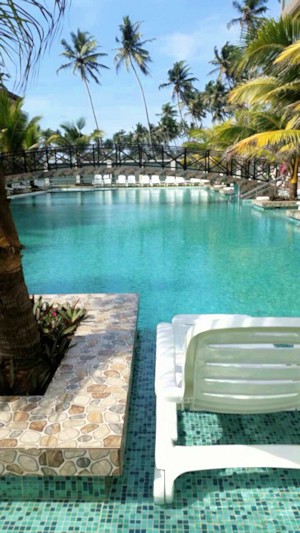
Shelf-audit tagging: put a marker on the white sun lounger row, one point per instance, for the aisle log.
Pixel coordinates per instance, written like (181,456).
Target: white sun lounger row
(145,180)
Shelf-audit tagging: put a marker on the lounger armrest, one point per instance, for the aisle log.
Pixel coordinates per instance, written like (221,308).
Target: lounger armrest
(166,386)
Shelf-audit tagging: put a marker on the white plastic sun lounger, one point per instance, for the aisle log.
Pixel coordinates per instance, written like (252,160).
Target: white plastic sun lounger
(155,180)
(121,180)
(107,179)
(170,181)
(180,181)
(224,364)
(97,179)
(144,180)
(131,180)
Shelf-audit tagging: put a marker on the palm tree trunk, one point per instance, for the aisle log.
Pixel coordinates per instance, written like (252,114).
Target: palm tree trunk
(181,116)
(294,180)
(19,335)
(144,100)
(91,102)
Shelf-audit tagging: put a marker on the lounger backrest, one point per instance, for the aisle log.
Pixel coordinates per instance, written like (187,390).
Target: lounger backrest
(170,180)
(144,179)
(97,179)
(155,179)
(254,368)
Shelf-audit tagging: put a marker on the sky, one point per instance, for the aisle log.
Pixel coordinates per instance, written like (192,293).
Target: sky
(183,30)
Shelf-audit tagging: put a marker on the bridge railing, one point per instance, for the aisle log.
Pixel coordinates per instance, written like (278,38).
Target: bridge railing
(137,155)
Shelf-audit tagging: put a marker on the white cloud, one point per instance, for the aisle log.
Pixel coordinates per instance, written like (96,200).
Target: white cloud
(199,43)
(180,45)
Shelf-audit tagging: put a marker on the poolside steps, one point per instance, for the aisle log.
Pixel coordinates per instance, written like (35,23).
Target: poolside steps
(78,428)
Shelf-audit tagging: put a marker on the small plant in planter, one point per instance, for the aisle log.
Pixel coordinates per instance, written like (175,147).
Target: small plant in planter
(56,324)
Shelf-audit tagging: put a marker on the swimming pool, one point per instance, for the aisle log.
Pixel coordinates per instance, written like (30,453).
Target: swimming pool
(183,251)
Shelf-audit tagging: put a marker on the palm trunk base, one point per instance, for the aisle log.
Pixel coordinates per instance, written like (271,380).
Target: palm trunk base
(22,381)
(20,349)
(293,191)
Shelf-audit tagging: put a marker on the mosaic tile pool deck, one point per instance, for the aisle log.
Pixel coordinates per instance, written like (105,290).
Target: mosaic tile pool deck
(239,501)
(78,428)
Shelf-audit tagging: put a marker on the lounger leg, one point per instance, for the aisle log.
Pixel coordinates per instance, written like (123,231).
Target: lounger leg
(159,487)
(163,487)
(169,489)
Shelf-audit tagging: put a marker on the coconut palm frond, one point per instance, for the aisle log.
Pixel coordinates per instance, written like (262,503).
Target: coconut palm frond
(293,122)
(291,54)
(253,91)
(273,139)
(288,150)
(26,30)
(271,40)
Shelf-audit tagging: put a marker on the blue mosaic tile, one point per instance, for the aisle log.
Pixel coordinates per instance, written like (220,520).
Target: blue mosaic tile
(231,501)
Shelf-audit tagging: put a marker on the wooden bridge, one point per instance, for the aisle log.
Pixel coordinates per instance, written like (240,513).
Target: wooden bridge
(91,157)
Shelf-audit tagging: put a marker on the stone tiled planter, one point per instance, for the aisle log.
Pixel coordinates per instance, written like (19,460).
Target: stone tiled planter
(78,427)
(275,204)
(294,214)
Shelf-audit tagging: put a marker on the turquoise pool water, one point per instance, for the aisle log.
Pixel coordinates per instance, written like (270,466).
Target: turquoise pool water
(183,251)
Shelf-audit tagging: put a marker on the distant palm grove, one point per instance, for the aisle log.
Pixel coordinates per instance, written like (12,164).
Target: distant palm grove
(251,101)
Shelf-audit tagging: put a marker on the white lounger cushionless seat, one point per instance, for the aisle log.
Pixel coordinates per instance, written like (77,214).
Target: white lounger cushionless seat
(195,181)
(97,179)
(144,180)
(155,180)
(232,364)
(131,180)
(170,181)
(107,179)
(121,180)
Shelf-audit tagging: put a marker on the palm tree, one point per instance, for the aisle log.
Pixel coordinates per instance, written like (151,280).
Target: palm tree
(276,89)
(83,58)
(73,139)
(17,132)
(73,135)
(132,53)
(245,123)
(216,100)
(181,80)
(250,14)
(168,127)
(196,108)
(226,63)
(25,31)
(140,133)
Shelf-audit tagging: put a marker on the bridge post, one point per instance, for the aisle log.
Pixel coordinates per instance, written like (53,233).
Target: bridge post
(47,158)
(78,158)
(70,156)
(117,154)
(94,161)
(25,161)
(207,163)
(185,159)
(34,161)
(140,156)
